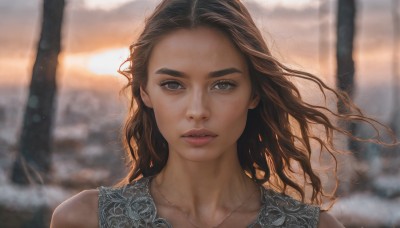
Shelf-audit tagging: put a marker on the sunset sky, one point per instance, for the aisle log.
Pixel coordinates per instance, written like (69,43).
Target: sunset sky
(97,33)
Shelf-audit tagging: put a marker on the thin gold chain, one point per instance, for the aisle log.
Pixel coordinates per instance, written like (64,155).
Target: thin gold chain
(194,224)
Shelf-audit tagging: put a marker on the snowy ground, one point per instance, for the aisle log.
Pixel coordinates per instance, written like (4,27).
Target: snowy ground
(367,210)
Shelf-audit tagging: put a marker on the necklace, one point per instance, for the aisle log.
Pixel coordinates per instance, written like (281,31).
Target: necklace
(186,214)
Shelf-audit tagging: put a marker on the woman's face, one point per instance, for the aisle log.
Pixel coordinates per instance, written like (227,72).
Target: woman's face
(200,91)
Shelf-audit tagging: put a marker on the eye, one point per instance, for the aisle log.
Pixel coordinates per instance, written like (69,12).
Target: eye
(224,85)
(171,85)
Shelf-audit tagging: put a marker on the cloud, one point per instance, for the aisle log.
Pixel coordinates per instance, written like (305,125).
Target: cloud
(87,30)
(8,5)
(19,22)
(84,30)
(291,4)
(288,30)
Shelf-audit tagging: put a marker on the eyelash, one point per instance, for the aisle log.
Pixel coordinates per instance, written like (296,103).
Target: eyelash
(230,83)
(164,84)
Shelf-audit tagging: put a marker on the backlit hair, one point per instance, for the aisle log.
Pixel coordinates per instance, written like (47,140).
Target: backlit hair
(270,147)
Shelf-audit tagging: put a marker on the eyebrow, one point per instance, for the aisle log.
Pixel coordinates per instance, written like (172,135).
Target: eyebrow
(214,74)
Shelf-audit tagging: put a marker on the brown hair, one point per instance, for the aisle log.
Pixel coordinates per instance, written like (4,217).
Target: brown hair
(269,146)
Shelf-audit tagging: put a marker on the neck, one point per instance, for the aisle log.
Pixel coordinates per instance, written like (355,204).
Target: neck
(211,186)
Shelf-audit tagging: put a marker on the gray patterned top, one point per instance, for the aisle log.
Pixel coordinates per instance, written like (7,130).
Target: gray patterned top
(133,206)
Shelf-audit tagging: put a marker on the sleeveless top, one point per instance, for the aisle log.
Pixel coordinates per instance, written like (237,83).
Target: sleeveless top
(133,206)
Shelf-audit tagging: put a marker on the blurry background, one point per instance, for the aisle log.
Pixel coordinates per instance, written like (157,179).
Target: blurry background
(84,148)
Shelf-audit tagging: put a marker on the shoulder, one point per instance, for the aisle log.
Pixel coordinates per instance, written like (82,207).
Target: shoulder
(284,211)
(130,205)
(328,221)
(78,211)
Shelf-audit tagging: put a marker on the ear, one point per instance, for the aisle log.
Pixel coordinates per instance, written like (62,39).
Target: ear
(254,101)
(145,98)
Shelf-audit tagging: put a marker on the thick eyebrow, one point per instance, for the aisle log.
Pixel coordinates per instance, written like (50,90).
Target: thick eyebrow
(220,73)
(170,72)
(214,74)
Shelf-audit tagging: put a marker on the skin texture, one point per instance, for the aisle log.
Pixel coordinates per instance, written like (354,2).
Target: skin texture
(196,100)
(207,174)
(189,96)
(77,212)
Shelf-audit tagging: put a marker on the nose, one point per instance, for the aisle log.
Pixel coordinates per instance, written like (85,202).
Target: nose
(198,106)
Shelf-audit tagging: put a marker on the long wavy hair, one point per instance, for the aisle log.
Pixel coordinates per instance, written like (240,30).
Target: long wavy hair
(270,149)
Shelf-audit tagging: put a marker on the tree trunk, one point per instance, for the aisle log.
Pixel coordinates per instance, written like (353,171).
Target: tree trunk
(345,33)
(346,15)
(344,48)
(33,160)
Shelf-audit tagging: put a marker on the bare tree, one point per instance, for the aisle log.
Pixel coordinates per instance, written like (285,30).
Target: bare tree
(345,35)
(346,15)
(34,153)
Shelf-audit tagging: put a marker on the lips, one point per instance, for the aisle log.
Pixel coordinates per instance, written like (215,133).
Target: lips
(198,137)
(199,133)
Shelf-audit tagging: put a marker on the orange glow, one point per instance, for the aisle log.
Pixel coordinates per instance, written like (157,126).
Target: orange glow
(102,63)
(104,4)
(107,62)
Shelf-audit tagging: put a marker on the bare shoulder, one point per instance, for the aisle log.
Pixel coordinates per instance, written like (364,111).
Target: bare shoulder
(328,221)
(78,211)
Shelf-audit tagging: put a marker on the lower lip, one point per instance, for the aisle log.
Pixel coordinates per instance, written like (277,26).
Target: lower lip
(198,141)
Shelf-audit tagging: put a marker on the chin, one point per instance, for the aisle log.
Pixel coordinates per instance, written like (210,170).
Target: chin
(200,154)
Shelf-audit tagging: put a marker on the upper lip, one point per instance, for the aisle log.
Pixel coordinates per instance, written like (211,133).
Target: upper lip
(198,133)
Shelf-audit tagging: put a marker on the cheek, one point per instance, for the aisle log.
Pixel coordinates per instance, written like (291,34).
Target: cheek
(167,115)
(233,115)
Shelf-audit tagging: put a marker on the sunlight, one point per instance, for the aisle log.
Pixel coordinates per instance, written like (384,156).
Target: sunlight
(107,62)
(104,4)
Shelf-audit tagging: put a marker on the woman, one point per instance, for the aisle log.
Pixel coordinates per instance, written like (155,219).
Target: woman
(211,122)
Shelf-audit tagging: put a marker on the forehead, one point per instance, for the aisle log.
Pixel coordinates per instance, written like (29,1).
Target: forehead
(200,48)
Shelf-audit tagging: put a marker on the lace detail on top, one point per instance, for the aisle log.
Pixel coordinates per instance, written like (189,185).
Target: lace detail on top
(133,206)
